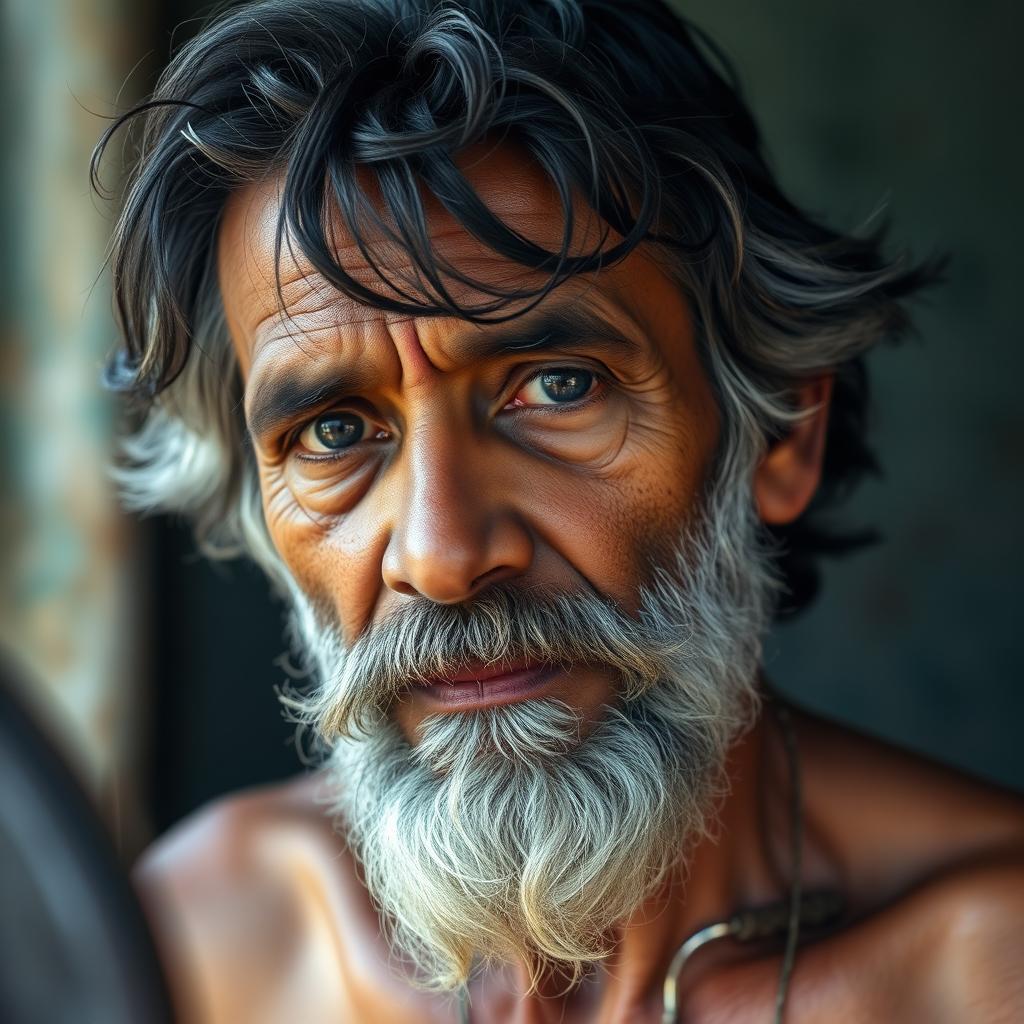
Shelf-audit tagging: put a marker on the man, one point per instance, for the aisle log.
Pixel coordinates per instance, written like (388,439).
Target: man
(484,329)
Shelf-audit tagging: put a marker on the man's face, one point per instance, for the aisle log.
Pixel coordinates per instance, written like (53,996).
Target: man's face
(405,459)
(533,496)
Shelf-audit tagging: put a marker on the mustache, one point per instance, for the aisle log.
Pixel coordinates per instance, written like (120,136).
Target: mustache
(423,640)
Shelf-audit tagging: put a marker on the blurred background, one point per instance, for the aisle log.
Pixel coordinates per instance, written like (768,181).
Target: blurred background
(155,672)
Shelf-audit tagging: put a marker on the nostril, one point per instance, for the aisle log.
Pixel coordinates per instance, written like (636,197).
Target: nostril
(495,575)
(406,589)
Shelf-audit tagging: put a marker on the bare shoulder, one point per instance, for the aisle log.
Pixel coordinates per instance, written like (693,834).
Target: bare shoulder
(895,819)
(216,851)
(934,860)
(947,952)
(229,893)
(931,861)
(231,831)
(980,962)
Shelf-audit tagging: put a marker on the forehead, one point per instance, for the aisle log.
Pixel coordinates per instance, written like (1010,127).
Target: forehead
(507,181)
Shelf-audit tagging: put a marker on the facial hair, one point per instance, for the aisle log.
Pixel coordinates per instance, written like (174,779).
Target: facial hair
(502,835)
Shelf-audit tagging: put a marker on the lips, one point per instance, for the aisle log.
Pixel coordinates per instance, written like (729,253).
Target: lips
(480,672)
(480,686)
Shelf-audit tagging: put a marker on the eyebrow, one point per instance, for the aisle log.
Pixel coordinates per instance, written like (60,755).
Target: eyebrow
(288,397)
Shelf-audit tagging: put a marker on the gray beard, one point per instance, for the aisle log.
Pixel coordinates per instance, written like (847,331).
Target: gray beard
(502,835)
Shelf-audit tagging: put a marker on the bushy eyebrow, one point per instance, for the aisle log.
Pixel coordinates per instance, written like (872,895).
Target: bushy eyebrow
(288,397)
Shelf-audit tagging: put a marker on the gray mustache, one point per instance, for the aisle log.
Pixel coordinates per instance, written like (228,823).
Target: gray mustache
(424,640)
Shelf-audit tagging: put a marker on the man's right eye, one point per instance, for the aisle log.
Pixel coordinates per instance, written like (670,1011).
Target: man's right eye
(332,432)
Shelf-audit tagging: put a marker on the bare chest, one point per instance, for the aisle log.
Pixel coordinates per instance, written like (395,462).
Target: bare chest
(827,986)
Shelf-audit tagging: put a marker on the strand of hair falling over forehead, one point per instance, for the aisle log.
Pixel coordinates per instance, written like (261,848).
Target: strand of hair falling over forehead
(502,835)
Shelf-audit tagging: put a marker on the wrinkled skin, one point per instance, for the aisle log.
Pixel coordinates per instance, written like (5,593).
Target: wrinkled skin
(466,476)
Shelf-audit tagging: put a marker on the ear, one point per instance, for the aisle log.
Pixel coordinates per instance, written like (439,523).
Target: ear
(789,472)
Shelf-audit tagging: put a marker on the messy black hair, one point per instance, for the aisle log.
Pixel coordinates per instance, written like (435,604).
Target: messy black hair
(620,102)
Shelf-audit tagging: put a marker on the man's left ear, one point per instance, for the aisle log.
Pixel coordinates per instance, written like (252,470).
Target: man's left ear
(789,472)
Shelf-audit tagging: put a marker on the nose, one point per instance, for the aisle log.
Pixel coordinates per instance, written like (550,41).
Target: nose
(457,530)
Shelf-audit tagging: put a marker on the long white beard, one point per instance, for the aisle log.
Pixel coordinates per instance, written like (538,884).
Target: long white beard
(502,835)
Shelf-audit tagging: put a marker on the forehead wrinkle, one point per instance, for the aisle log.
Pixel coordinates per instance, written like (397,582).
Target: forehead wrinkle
(312,305)
(489,268)
(455,340)
(299,279)
(310,295)
(332,317)
(349,357)
(507,178)
(330,335)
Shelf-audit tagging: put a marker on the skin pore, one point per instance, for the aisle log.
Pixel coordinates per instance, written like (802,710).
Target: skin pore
(464,474)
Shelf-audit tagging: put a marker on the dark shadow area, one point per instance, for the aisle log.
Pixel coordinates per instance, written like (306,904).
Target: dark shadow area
(217,722)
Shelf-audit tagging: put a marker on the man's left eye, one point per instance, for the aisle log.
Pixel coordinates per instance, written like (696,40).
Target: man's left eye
(558,386)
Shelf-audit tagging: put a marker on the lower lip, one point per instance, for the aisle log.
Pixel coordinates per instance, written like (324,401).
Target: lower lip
(472,695)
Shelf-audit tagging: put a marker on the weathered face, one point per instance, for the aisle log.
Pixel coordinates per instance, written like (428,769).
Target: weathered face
(409,458)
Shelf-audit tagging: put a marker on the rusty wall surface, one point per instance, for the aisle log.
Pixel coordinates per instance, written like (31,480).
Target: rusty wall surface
(69,605)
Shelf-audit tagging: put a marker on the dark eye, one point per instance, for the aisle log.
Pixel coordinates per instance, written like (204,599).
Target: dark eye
(556,387)
(333,432)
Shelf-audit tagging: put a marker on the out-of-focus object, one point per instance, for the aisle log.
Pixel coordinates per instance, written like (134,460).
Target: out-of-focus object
(68,607)
(74,946)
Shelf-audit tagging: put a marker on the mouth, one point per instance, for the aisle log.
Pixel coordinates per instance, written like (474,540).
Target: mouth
(484,686)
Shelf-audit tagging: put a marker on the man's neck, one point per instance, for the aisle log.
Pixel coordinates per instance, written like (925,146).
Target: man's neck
(741,862)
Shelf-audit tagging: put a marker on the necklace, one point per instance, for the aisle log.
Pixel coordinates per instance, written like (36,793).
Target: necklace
(800,909)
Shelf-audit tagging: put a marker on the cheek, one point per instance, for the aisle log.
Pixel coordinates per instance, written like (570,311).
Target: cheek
(612,527)
(668,497)
(331,557)
(605,522)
